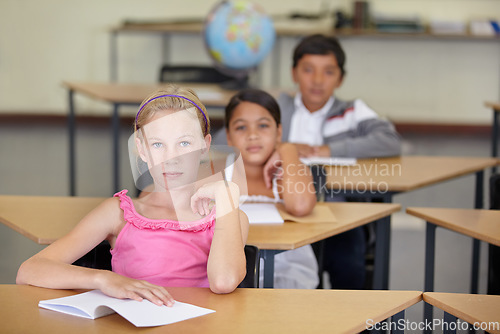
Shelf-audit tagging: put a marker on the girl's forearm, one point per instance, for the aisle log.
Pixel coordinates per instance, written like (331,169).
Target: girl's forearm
(298,193)
(51,274)
(226,264)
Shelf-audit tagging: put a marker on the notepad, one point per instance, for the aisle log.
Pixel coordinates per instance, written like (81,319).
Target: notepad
(268,213)
(262,213)
(319,214)
(328,161)
(95,304)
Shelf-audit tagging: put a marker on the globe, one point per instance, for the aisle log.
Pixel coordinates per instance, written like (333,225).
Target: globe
(238,36)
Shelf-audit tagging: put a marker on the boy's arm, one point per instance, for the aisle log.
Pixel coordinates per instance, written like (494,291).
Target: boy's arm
(365,135)
(373,138)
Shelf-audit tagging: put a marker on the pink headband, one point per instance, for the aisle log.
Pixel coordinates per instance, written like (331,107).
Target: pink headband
(173,95)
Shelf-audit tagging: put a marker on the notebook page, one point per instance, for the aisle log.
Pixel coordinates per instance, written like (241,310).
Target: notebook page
(95,304)
(262,213)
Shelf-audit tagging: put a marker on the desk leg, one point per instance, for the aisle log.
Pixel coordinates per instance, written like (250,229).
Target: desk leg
(113,56)
(115,123)
(450,323)
(268,256)
(165,49)
(430,249)
(276,62)
(71,143)
(319,179)
(382,251)
(319,250)
(494,138)
(396,320)
(474,280)
(479,196)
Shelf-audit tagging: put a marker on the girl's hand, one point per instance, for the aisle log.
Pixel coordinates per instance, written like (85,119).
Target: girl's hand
(305,150)
(200,201)
(119,286)
(321,151)
(272,168)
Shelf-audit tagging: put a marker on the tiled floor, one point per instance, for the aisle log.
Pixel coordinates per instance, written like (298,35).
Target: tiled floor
(35,163)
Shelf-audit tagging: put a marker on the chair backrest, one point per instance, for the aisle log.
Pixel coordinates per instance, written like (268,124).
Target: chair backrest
(251,279)
(97,258)
(192,73)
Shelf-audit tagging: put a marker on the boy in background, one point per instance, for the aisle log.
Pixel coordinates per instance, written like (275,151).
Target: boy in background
(319,123)
(322,125)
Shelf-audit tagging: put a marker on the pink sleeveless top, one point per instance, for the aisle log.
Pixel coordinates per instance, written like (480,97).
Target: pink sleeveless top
(162,252)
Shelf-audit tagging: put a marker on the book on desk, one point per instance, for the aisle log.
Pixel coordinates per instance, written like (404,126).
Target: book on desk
(94,304)
(270,213)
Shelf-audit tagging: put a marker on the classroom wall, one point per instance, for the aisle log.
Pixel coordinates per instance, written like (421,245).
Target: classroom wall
(45,42)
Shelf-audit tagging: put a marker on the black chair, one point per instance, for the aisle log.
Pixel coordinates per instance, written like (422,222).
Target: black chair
(202,74)
(97,258)
(251,279)
(192,73)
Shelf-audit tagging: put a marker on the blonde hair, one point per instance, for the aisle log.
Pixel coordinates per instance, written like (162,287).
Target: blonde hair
(174,98)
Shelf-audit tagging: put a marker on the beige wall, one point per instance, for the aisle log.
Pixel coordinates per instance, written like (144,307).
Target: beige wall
(45,42)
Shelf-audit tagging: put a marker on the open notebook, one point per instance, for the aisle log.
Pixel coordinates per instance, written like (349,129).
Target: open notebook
(269,213)
(94,304)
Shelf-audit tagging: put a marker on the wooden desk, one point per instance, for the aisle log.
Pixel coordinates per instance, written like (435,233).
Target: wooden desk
(126,94)
(482,311)
(382,178)
(44,219)
(479,224)
(495,107)
(274,238)
(389,176)
(243,311)
(49,218)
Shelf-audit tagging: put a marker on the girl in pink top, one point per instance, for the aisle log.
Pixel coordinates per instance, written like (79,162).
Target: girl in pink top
(181,232)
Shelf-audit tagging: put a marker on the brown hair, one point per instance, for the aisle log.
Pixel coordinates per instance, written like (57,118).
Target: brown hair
(174,98)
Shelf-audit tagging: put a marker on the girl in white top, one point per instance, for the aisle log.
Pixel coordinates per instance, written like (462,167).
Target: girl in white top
(274,174)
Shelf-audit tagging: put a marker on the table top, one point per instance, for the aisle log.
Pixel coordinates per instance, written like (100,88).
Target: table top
(211,95)
(44,219)
(399,174)
(494,105)
(243,311)
(480,224)
(290,235)
(49,218)
(481,309)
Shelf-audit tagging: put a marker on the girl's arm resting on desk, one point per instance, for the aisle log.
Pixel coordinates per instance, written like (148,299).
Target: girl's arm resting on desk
(52,267)
(297,187)
(226,265)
